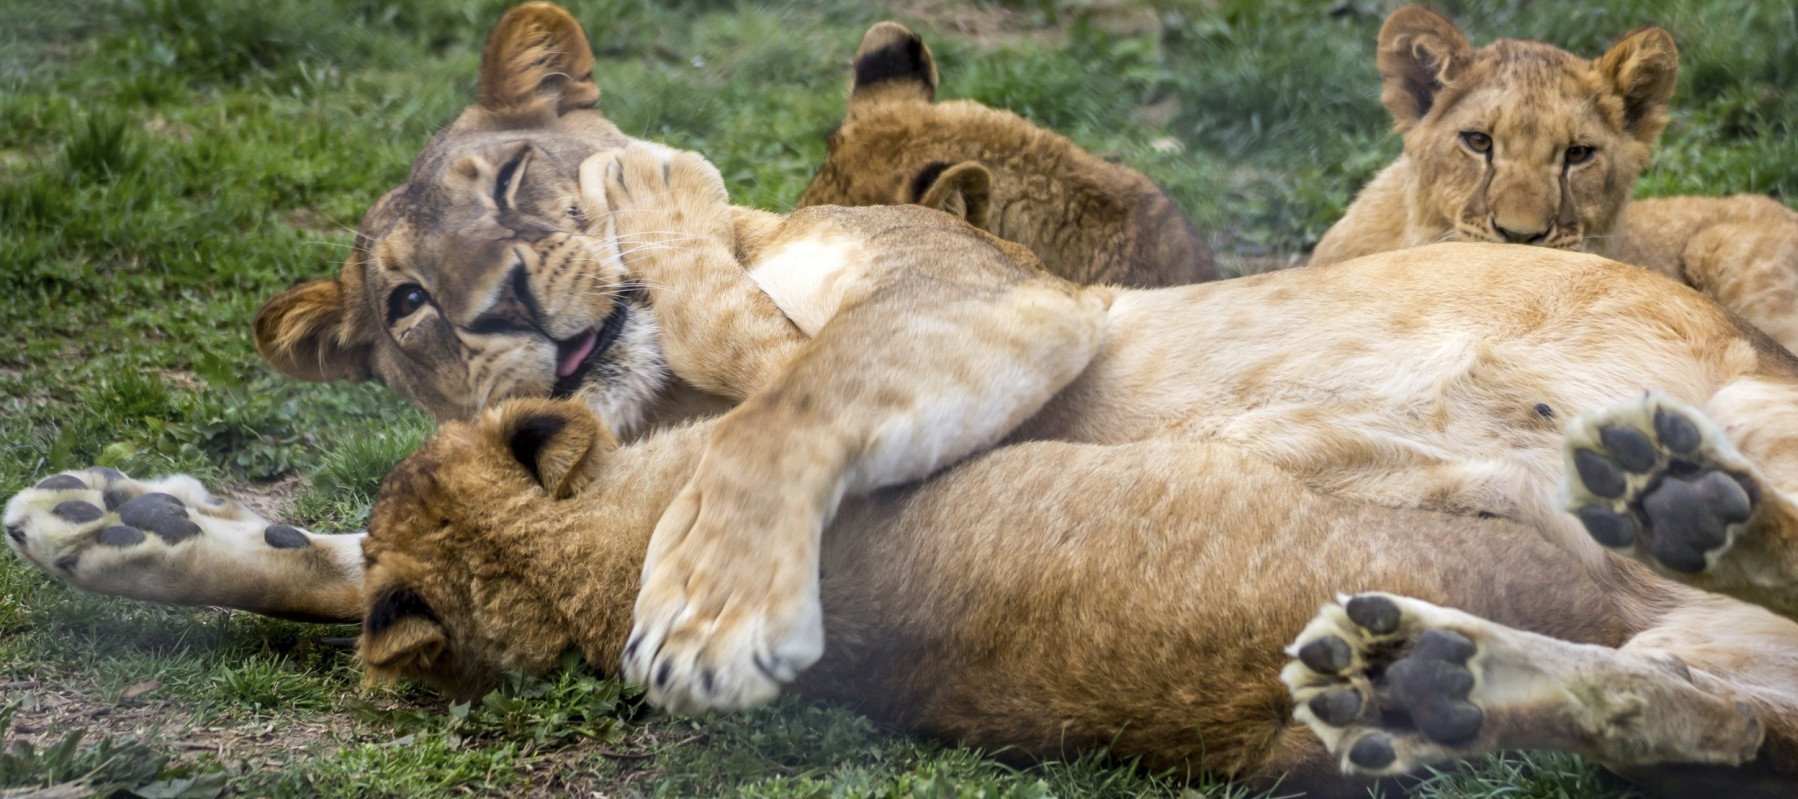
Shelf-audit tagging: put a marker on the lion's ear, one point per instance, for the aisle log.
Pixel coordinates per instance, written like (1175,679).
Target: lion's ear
(400,633)
(963,190)
(893,61)
(304,332)
(1418,53)
(559,443)
(536,60)
(1642,68)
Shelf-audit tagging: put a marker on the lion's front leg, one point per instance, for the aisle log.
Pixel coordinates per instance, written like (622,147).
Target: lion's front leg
(169,540)
(669,219)
(929,342)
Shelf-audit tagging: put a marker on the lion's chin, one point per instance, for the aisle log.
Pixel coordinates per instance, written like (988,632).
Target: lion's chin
(620,383)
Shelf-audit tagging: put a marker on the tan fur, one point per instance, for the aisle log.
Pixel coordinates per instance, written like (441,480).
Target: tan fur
(1380,400)
(1535,101)
(1088,219)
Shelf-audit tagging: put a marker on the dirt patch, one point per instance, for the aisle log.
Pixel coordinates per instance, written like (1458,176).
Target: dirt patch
(47,712)
(268,500)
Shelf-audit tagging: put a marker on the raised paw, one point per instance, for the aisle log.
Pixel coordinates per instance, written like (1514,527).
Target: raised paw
(728,612)
(170,540)
(658,201)
(1390,684)
(1659,481)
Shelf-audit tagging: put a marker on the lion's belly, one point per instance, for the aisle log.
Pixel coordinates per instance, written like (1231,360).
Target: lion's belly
(1139,596)
(1438,377)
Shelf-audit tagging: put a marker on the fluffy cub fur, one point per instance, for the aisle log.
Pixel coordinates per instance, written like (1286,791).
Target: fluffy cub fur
(1520,141)
(986,606)
(1088,219)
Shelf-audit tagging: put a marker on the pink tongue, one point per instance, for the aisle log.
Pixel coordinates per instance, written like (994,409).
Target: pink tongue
(573,361)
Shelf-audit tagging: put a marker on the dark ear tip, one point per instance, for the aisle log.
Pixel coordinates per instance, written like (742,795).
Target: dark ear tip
(890,52)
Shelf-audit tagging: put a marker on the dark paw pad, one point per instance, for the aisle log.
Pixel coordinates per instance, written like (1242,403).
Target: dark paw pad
(1676,432)
(1689,518)
(161,514)
(77,512)
(1611,528)
(1327,655)
(1337,706)
(62,482)
(1599,474)
(1629,447)
(1432,684)
(1373,752)
(281,536)
(1376,614)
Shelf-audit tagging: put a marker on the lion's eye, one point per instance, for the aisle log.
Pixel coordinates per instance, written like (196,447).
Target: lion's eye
(405,300)
(1476,141)
(1579,154)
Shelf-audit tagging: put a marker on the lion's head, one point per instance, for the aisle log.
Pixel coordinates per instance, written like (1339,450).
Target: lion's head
(898,146)
(1520,141)
(479,559)
(477,279)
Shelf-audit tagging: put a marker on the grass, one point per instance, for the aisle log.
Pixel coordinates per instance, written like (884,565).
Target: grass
(168,164)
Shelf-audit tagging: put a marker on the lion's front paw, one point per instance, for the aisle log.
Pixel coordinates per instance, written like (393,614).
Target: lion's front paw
(729,610)
(661,200)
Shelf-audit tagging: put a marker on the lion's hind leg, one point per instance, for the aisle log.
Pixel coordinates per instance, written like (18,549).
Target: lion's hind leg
(170,540)
(1392,684)
(1661,482)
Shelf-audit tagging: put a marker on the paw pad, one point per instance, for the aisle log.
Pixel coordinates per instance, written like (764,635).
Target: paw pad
(75,511)
(62,482)
(1659,480)
(1388,683)
(161,514)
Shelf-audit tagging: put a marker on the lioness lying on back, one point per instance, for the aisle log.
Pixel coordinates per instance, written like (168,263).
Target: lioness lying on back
(1088,219)
(1520,141)
(874,345)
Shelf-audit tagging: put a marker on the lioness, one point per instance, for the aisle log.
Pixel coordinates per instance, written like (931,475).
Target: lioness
(1520,141)
(874,345)
(1088,219)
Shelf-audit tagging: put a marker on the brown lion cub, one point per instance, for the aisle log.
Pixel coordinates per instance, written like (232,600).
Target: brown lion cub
(1089,220)
(1520,141)
(998,604)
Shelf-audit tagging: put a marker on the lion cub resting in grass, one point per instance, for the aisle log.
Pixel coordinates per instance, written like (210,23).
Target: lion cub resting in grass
(1520,141)
(874,347)
(1131,585)
(1089,220)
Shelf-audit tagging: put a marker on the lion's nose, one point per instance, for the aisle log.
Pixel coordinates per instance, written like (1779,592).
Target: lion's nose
(1515,237)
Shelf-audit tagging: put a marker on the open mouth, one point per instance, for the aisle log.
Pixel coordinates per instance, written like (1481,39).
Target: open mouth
(576,356)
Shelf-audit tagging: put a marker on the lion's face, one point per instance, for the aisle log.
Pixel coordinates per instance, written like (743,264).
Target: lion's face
(479,278)
(1520,141)
(468,573)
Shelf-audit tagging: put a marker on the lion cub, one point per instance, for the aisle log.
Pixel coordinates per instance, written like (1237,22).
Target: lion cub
(1520,141)
(1089,220)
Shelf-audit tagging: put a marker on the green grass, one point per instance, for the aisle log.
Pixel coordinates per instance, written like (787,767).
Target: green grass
(165,165)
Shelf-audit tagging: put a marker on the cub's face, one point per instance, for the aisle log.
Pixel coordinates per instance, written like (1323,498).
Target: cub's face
(467,567)
(1520,141)
(480,278)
